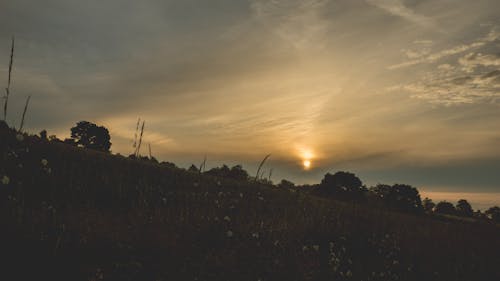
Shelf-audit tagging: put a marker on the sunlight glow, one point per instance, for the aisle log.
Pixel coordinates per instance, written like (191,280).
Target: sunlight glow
(307,164)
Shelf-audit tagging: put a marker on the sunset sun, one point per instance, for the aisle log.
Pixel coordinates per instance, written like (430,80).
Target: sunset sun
(306,164)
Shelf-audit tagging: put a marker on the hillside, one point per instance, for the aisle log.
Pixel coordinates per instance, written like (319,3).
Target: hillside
(75,214)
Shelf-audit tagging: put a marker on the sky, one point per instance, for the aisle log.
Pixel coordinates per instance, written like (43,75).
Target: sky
(404,91)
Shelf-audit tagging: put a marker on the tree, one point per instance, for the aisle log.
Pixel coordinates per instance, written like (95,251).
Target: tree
(493,213)
(238,173)
(91,136)
(193,169)
(444,207)
(428,204)
(343,185)
(464,208)
(286,184)
(401,197)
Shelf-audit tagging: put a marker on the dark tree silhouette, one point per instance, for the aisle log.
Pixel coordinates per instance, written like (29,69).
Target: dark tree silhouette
(343,185)
(237,172)
(91,136)
(428,205)
(444,207)
(286,184)
(493,213)
(399,197)
(43,134)
(464,208)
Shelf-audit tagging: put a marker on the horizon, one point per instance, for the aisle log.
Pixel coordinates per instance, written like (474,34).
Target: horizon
(395,91)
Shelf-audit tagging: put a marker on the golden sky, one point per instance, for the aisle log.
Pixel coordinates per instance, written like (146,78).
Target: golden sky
(394,90)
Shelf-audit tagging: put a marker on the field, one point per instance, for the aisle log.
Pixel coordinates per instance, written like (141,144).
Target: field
(75,214)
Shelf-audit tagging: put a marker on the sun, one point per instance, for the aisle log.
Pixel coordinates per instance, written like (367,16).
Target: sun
(307,164)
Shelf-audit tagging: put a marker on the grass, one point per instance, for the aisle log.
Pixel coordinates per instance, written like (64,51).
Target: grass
(75,214)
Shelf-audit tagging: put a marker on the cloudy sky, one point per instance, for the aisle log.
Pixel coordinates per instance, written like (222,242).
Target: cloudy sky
(393,90)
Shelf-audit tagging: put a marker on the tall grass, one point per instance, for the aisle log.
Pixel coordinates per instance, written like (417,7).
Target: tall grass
(7,89)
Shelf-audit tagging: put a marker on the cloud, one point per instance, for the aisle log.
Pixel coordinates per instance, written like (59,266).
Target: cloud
(397,8)
(473,60)
(427,57)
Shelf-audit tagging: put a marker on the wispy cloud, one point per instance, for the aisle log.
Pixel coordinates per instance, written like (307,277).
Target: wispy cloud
(397,8)
(425,57)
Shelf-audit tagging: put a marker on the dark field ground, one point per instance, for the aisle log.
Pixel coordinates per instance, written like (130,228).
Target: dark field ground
(72,214)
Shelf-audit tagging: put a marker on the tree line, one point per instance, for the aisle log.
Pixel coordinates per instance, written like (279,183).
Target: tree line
(341,185)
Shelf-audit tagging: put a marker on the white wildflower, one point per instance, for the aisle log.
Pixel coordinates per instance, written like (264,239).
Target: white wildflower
(19,137)
(305,248)
(229,233)
(241,195)
(5,180)
(261,198)
(218,183)
(255,235)
(44,162)
(226,218)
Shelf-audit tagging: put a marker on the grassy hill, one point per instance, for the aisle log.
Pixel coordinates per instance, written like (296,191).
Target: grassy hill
(75,214)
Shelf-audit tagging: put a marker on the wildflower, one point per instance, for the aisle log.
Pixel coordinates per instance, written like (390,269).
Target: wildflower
(229,233)
(218,183)
(316,247)
(255,235)
(305,248)
(164,200)
(5,180)
(395,262)
(241,195)
(226,218)
(44,162)
(348,274)
(19,137)
(261,198)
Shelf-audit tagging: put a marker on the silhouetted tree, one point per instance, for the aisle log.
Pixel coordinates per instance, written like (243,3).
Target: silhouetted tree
(238,173)
(343,185)
(222,172)
(428,204)
(91,136)
(444,207)
(464,208)
(399,197)
(286,184)
(43,134)
(493,213)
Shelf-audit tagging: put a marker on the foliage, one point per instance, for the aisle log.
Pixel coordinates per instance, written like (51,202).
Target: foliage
(464,209)
(493,213)
(428,205)
(399,197)
(341,185)
(444,207)
(91,136)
